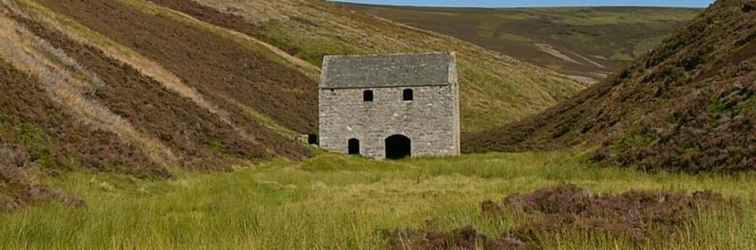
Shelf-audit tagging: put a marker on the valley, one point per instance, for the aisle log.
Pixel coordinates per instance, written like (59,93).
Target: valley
(173,124)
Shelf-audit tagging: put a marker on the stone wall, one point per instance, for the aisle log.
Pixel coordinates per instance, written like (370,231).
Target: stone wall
(431,120)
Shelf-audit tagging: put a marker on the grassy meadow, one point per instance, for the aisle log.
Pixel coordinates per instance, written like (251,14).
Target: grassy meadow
(338,202)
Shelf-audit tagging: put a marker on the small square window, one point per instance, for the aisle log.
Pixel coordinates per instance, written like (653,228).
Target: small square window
(367,96)
(407,95)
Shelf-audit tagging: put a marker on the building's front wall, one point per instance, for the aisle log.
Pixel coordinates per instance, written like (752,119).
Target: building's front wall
(430,120)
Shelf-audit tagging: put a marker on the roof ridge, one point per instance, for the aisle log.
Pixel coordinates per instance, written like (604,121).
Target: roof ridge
(387,70)
(390,54)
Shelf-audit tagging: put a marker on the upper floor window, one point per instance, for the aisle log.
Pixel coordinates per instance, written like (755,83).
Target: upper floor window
(367,96)
(407,95)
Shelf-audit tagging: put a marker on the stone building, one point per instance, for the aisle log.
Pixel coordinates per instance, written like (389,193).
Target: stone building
(390,106)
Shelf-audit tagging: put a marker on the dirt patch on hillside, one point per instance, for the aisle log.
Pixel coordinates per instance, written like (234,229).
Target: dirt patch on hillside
(688,105)
(548,49)
(201,137)
(217,67)
(639,217)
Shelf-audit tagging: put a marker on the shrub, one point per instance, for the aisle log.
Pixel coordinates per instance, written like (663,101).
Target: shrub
(637,217)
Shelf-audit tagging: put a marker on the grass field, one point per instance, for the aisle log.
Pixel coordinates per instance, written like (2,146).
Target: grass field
(335,202)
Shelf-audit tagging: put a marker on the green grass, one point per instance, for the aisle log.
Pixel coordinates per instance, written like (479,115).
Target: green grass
(34,139)
(335,202)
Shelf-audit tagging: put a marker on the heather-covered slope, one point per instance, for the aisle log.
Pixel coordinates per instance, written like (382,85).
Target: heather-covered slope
(495,88)
(219,68)
(138,93)
(38,135)
(687,105)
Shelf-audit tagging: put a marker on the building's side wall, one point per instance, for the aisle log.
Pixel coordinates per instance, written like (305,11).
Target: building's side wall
(431,120)
(456,119)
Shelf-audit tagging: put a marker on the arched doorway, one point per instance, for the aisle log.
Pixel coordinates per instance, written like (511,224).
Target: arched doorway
(353,146)
(398,147)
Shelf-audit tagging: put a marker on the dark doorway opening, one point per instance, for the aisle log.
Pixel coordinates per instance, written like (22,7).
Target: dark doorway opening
(354,146)
(313,139)
(398,147)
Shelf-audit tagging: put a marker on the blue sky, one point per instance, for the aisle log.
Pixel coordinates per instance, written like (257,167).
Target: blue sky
(538,3)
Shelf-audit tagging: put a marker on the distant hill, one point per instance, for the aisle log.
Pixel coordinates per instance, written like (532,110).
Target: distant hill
(688,105)
(586,43)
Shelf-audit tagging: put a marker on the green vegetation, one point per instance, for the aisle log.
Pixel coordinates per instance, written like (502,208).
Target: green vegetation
(33,138)
(38,144)
(337,202)
(749,107)
(721,106)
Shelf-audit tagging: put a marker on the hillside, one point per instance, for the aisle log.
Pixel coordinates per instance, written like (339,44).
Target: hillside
(586,43)
(144,88)
(688,105)
(495,88)
(136,103)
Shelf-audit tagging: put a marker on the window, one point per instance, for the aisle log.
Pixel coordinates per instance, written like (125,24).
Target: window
(367,96)
(407,95)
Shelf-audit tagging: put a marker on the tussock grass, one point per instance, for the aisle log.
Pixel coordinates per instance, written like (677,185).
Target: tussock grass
(337,202)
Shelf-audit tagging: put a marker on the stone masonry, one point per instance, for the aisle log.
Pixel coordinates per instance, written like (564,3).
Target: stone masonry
(430,120)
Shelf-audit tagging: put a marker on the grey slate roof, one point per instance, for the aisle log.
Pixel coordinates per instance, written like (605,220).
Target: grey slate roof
(375,71)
